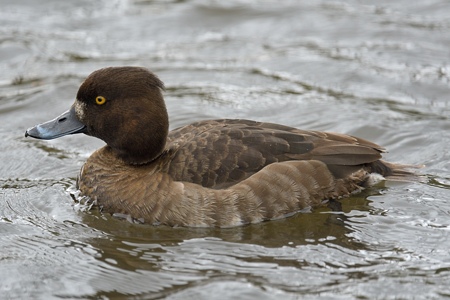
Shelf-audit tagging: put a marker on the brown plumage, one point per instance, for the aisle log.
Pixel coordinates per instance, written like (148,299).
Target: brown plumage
(210,173)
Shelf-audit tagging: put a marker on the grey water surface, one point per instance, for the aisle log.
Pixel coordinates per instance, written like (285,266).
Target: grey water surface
(379,70)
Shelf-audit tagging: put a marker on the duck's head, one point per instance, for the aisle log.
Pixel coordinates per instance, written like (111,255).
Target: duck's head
(123,106)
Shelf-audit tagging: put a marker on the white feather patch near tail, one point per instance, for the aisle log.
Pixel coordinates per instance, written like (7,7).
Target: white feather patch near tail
(373,179)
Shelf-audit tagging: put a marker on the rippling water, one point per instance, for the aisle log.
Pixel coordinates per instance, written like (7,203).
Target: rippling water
(375,69)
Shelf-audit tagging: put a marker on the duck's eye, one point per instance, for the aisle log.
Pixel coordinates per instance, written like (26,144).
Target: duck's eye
(100,100)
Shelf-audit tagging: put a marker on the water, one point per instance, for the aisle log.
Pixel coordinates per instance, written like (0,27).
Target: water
(376,69)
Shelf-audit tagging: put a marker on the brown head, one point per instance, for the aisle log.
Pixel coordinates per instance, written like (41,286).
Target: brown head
(123,106)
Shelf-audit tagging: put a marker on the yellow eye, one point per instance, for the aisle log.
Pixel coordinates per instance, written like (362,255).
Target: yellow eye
(100,100)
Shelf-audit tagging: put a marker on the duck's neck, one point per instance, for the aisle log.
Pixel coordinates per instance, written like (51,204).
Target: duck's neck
(146,138)
(148,153)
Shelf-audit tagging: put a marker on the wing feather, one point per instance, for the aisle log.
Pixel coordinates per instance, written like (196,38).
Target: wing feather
(220,153)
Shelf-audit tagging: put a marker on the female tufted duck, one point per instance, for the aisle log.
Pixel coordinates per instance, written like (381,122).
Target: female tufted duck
(210,173)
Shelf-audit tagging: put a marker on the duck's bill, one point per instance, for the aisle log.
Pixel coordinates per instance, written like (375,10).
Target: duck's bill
(65,124)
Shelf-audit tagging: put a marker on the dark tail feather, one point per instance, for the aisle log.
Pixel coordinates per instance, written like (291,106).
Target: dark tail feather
(397,172)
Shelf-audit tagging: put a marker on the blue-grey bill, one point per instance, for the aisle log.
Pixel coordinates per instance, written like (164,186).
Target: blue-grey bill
(67,123)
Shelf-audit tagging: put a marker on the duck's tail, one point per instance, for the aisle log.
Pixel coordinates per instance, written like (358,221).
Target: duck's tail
(397,172)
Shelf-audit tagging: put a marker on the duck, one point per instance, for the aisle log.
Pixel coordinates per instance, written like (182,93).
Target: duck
(211,173)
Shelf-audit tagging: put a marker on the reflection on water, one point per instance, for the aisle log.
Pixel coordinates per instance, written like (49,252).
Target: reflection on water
(375,69)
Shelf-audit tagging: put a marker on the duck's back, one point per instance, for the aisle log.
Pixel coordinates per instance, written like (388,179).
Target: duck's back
(221,153)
